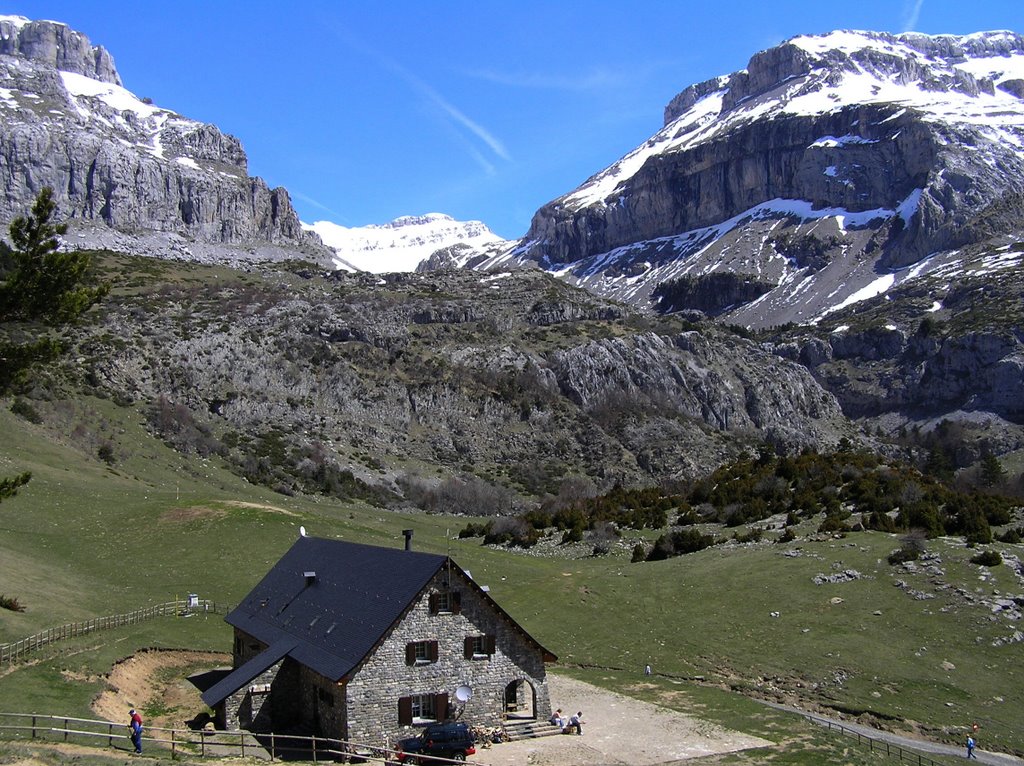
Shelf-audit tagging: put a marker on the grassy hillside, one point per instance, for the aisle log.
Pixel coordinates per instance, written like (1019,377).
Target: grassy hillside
(83,539)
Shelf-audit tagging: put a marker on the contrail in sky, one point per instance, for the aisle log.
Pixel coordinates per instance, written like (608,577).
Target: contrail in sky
(439,101)
(911,18)
(478,130)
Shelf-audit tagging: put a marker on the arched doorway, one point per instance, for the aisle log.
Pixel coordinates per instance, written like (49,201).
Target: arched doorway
(520,699)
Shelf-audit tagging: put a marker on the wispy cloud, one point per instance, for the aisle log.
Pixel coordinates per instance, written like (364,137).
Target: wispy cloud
(596,79)
(313,203)
(444,105)
(911,14)
(453,115)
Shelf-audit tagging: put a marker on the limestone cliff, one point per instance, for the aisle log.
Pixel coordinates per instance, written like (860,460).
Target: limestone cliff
(125,172)
(884,148)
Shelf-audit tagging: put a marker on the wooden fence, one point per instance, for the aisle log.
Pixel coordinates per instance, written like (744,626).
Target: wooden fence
(875,744)
(196,743)
(200,743)
(14,651)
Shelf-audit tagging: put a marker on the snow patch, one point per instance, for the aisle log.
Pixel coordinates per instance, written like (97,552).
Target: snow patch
(834,141)
(908,207)
(401,244)
(876,288)
(112,95)
(17,21)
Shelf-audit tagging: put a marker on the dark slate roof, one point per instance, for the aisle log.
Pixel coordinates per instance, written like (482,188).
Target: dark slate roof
(243,674)
(336,599)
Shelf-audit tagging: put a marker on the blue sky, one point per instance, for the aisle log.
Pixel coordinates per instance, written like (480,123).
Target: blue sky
(366,111)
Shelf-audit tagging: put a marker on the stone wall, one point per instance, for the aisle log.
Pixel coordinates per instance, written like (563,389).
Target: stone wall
(292,697)
(250,707)
(373,695)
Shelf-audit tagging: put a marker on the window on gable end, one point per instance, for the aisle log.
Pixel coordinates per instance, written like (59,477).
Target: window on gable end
(421,652)
(445,602)
(478,647)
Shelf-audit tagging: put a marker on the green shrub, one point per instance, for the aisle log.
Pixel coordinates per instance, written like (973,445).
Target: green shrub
(23,409)
(906,553)
(472,529)
(750,536)
(833,523)
(988,559)
(106,453)
(1012,536)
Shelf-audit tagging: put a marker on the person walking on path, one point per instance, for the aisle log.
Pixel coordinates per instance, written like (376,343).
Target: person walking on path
(970,747)
(135,725)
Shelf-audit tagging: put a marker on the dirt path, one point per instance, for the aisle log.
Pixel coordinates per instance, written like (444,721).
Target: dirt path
(157,680)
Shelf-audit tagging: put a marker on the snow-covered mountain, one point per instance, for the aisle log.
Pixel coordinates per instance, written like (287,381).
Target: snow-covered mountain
(128,174)
(404,243)
(830,169)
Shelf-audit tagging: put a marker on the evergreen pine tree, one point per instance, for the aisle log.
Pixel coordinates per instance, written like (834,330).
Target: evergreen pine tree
(39,284)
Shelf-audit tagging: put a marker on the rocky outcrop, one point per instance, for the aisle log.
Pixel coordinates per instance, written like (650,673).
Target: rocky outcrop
(56,46)
(444,371)
(881,370)
(118,163)
(904,145)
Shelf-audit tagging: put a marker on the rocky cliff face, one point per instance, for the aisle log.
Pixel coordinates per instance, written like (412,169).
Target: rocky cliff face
(125,171)
(890,148)
(514,377)
(56,46)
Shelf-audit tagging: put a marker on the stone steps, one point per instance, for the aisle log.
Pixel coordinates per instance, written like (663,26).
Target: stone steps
(529,729)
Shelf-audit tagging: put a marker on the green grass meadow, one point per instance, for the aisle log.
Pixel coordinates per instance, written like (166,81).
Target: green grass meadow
(83,540)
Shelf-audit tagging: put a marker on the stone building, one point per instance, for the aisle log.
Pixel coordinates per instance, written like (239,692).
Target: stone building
(363,643)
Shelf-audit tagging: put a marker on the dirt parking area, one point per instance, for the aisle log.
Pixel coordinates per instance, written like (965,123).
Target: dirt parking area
(616,729)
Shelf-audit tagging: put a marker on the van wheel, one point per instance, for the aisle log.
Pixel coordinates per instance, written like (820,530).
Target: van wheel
(458,756)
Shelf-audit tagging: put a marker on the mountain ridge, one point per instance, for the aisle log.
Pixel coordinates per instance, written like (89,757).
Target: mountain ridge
(787,139)
(126,173)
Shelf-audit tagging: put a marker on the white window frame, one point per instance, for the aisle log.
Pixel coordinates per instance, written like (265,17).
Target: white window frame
(423,703)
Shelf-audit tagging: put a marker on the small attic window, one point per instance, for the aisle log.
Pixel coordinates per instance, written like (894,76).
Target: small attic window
(445,602)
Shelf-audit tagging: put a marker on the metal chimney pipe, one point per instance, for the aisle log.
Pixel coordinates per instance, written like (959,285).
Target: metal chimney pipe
(408,539)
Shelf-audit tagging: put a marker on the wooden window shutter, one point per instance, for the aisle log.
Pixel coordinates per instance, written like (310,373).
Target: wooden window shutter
(410,654)
(467,648)
(433,603)
(434,654)
(489,644)
(441,706)
(405,710)
(456,599)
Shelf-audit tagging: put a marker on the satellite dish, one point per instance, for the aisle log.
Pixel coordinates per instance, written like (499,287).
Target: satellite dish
(463,694)
(302,531)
